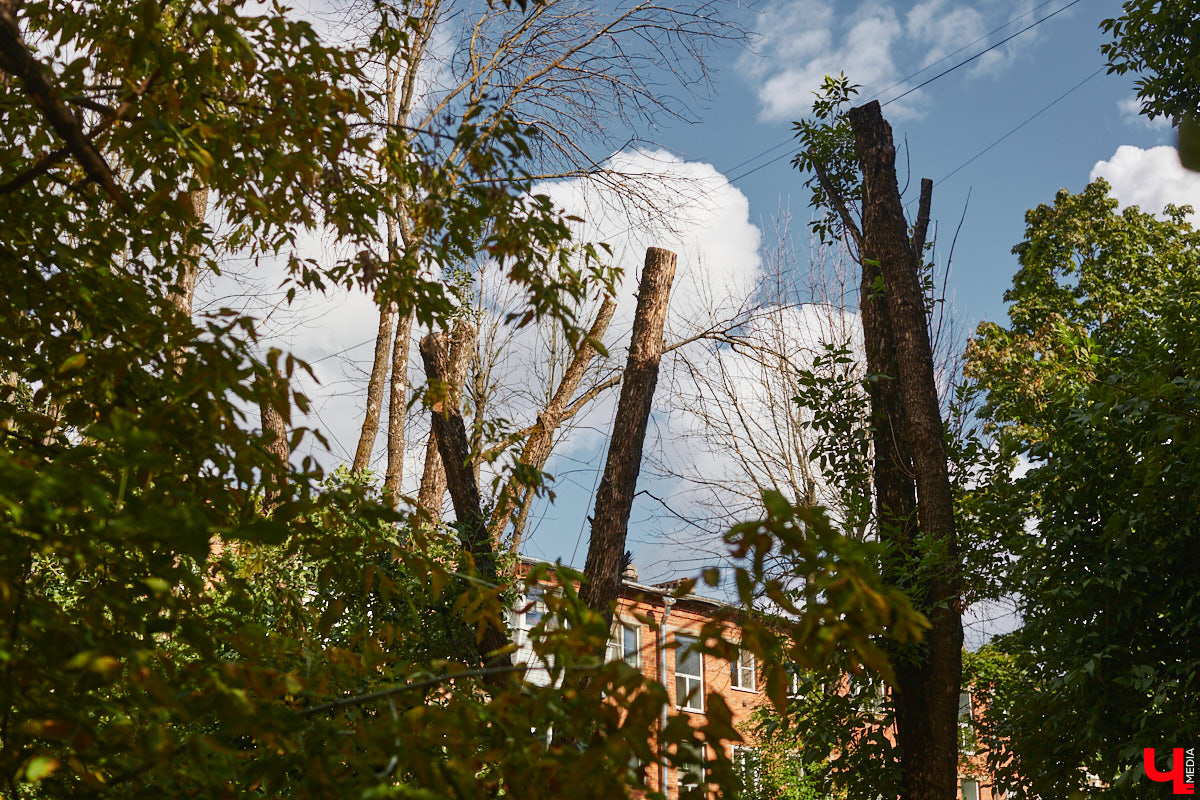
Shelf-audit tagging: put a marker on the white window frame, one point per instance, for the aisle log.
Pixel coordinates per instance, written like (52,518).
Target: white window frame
(680,772)
(618,648)
(529,610)
(748,763)
(693,683)
(742,675)
(969,788)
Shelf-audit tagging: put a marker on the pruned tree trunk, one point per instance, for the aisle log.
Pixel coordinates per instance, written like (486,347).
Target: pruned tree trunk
(516,496)
(379,368)
(614,499)
(195,205)
(397,411)
(454,448)
(930,680)
(273,409)
(432,492)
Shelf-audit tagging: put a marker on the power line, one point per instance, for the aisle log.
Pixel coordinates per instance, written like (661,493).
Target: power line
(951,55)
(941,74)
(1027,120)
(909,77)
(983,52)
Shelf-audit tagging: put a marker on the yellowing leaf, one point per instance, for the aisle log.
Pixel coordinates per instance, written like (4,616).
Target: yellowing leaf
(40,766)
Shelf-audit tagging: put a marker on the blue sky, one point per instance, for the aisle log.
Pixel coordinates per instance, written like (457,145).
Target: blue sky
(723,237)
(946,124)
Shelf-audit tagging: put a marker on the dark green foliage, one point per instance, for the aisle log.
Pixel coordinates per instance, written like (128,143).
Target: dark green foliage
(1157,41)
(1096,381)
(826,142)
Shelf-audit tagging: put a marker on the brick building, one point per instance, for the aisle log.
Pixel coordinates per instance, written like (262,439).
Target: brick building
(663,655)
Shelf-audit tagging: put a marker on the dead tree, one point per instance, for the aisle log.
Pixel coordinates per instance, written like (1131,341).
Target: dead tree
(614,499)
(432,491)
(909,438)
(274,411)
(454,448)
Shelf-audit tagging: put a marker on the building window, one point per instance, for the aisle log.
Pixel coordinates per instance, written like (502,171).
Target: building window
(747,766)
(689,674)
(965,712)
(966,731)
(970,789)
(742,670)
(526,614)
(624,644)
(690,769)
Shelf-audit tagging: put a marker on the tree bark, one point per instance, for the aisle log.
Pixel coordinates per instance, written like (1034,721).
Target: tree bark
(379,366)
(928,687)
(537,447)
(614,499)
(432,492)
(397,411)
(195,206)
(454,448)
(273,407)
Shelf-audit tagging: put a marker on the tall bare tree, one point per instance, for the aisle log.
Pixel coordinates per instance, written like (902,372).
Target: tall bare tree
(929,681)
(576,72)
(614,499)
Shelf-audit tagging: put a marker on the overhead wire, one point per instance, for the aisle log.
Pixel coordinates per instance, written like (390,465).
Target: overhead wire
(922,70)
(921,85)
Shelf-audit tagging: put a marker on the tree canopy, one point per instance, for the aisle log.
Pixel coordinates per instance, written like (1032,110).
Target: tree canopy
(1094,382)
(186,613)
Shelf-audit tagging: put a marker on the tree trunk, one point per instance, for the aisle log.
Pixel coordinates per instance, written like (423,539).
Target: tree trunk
(433,479)
(453,446)
(273,408)
(537,447)
(614,499)
(397,412)
(379,365)
(195,206)
(928,687)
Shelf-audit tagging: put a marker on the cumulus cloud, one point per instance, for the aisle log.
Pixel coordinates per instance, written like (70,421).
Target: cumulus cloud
(1150,178)
(1130,110)
(878,45)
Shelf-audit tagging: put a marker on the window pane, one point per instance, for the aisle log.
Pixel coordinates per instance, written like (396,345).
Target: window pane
(970,790)
(536,607)
(681,690)
(687,660)
(632,650)
(691,766)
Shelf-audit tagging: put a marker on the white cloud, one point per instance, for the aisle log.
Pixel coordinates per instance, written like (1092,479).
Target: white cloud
(1150,179)
(1131,112)
(942,28)
(804,40)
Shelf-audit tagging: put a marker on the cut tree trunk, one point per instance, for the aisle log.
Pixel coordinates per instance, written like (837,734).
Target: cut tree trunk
(929,684)
(614,499)
(454,447)
(397,412)
(432,493)
(273,415)
(379,371)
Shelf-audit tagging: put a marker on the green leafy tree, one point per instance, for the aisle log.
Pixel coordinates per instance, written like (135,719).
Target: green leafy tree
(1094,380)
(1157,42)
(185,613)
